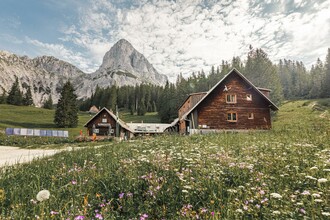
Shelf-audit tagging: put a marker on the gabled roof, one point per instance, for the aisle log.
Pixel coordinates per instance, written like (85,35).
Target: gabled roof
(119,121)
(148,127)
(192,94)
(93,109)
(272,105)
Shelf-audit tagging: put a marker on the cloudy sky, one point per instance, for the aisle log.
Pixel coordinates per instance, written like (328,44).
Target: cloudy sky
(175,35)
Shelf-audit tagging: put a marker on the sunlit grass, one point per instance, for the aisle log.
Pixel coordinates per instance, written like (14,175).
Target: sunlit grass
(278,174)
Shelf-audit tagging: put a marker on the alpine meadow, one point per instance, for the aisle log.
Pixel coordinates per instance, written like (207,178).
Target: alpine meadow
(279,174)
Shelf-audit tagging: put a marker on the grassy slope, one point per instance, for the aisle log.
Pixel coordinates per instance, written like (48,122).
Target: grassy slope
(304,114)
(217,176)
(31,117)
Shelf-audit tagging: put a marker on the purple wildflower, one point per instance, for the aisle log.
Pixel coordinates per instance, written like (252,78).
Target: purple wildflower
(264,200)
(121,195)
(79,217)
(54,213)
(306,192)
(203,210)
(144,216)
(98,216)
(73,182)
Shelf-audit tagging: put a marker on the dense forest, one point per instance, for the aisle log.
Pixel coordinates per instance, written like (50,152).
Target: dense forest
(287,80)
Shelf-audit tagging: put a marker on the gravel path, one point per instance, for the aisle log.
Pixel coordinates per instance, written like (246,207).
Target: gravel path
(14,155)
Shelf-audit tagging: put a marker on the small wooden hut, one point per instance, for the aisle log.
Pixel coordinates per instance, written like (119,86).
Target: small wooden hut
(106,123)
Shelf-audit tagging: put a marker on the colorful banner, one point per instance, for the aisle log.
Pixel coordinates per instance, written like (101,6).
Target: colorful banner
(36,132)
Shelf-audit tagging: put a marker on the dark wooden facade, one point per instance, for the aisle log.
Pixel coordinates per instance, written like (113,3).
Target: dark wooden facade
(234,103)
(106,123)
(190,102)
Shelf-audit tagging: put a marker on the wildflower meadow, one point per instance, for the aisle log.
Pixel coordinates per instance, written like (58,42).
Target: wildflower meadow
(279,174)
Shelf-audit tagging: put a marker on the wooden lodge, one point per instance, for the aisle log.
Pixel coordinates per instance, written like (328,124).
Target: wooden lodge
(105,123)
(234,103)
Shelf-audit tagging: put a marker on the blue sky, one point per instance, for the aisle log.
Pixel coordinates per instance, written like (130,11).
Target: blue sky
(175,35)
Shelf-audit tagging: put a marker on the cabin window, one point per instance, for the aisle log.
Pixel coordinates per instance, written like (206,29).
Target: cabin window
(230,98)
(232,116)
(251,116)
(104,120)
(249,97)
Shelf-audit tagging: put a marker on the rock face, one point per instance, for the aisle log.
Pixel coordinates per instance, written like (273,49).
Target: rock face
(122,65)
(45,75)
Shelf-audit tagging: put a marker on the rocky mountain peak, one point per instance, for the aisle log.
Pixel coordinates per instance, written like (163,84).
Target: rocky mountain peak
(119,54)
(123,61)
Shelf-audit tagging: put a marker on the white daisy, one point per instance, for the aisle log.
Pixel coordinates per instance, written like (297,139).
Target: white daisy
(43,195)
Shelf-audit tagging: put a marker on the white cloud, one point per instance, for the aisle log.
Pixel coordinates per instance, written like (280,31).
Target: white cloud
(60,51)
(10,38)
(185,36)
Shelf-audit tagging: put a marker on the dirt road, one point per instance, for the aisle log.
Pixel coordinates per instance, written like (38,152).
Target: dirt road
(13,155)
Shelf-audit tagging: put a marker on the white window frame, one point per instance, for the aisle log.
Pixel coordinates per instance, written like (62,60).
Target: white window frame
(250,115)
(231,117)
(232,98)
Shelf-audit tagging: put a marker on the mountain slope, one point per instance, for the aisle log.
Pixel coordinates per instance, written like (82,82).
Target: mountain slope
(45,75)
(122,65)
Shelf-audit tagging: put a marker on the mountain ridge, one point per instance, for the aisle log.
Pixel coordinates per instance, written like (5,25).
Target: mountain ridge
(122,65)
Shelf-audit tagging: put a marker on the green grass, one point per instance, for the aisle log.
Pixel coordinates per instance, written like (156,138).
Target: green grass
(279,174)
(30,117)
(149,117)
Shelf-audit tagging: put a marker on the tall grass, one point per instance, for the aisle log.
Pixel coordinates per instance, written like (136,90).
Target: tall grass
(280,174)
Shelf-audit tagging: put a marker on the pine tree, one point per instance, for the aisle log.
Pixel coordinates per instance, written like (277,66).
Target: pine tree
(27,99)
(15,96)
(66,114)
(48,104)
(168,104)
(113,97)
(237,64)
(142,108)
(262,73)
(326,84)
(3,97)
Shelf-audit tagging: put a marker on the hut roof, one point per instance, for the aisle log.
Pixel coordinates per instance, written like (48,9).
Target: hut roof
(93,109)
(148,127)
(118,120)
